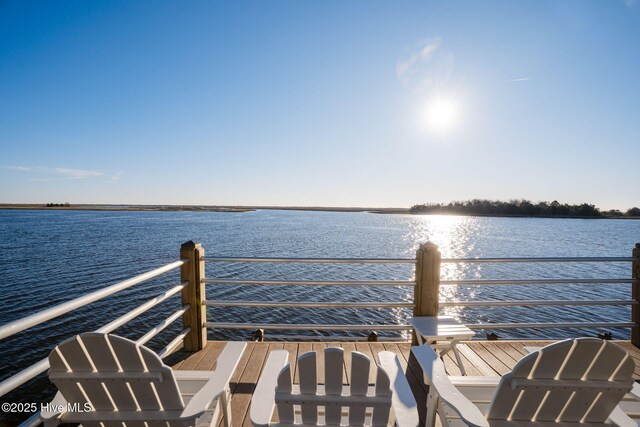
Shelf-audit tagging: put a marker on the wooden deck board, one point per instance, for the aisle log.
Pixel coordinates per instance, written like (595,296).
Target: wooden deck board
(483,358)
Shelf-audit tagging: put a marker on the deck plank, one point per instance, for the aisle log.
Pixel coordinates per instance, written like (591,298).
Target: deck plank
(475,361)
(208,361)
(192,361)
(494,362)
(319,347)
(505,353)
(451,365)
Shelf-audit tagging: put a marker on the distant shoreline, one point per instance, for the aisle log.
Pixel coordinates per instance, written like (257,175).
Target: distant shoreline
(198,208)
(242,209)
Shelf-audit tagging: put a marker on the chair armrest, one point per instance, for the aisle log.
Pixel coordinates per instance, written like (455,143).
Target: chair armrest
(228,360)
(620,419)
(263,402)
(402,400)
(635,391)
(47,416)
(436,377)
(225,366)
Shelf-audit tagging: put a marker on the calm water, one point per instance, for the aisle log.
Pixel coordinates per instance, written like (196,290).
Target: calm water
(48,257)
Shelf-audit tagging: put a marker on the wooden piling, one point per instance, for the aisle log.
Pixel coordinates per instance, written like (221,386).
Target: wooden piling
(427,289)
(635,295)
(194,295)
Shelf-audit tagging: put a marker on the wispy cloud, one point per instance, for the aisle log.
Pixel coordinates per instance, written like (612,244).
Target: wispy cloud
(631,3)
(116,176)
(521,79)
(421,56)
(426,66)
(20,168)
(77,173)
(56,174)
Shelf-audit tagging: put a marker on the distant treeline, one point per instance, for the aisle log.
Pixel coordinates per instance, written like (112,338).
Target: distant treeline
(57,205)
(520,208)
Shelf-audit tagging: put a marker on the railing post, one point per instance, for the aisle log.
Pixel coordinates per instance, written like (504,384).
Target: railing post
(427,290)
(635,295)
(194,295)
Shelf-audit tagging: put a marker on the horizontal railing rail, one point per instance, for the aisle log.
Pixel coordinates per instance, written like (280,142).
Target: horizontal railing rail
(35,369)
(472,282)
(568,325)
(534,259)
(311,282)
(532,303)
(19,325)
(308,326)
(413,260)
(314,260)
(334,338)
(292,304)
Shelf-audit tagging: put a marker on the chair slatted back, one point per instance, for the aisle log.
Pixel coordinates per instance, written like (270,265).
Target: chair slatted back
(112,373)
(363,404)
(578,380)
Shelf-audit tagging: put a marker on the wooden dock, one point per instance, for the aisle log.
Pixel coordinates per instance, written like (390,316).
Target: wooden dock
(481,358)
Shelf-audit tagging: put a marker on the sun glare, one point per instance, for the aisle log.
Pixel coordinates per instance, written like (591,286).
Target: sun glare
(441,115)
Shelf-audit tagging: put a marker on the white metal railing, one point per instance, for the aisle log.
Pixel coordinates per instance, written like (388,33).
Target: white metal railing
(12,328)
(410,304)
(344,304)
(315,260)
(309,326)
(311,282)
(585,325)
(39,367)
(308,304)
(534,259)
(471,282)
(533,303)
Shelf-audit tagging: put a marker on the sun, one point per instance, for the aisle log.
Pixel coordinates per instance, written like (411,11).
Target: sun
(441,114)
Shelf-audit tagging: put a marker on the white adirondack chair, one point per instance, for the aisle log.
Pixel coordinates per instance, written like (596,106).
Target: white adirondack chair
(311,404)
(576,382)
(126,384)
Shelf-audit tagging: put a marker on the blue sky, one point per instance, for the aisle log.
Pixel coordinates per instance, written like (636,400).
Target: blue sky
(331,103)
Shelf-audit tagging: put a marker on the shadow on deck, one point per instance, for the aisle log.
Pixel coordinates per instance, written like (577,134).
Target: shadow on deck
(480,358)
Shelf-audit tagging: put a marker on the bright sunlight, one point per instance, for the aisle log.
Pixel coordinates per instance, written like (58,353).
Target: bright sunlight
(441,114)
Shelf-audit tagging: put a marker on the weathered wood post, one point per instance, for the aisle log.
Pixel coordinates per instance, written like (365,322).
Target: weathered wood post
(427,290)
(635,295)
(194,295)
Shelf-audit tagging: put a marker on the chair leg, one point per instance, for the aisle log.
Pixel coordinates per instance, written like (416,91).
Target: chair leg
(225,400)
(432,405)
